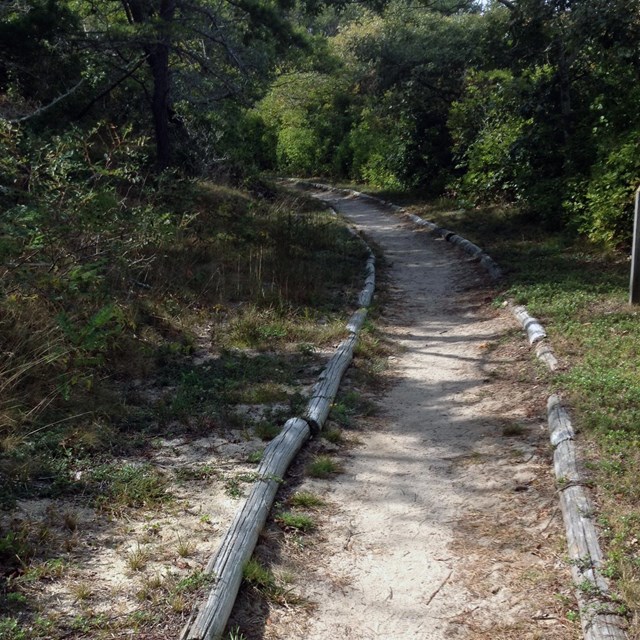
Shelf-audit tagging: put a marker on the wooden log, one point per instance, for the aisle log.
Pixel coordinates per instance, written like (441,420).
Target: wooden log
(325,389)
(545,353)
(357,320)
(534,329)
(240,540)
(444,233)
(468,247)
(597,616)
(491,267)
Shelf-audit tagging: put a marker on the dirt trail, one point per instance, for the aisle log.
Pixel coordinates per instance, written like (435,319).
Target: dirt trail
(443,525)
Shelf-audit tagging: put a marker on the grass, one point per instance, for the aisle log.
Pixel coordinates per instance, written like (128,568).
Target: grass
(100,361)
(296,521)
(579,292)
(306,499)
(265,582)
(323,467)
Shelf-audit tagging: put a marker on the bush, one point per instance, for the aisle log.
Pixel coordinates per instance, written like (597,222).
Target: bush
(606,214)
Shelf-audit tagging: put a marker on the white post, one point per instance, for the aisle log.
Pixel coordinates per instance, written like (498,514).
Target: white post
(634,287)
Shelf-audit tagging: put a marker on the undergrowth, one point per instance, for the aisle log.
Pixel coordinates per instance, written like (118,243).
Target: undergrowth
(579,291)
(112,283)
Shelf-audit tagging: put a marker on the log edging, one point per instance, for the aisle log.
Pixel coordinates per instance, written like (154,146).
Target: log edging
(474,251)
(599,617)
(208,621)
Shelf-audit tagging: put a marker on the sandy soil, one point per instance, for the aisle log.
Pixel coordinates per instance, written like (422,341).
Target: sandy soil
(444,523)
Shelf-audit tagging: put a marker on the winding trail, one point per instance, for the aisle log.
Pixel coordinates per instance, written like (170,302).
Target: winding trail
(443,526)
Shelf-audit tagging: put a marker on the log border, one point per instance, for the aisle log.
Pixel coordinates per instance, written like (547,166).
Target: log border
(209,621)
(599,617)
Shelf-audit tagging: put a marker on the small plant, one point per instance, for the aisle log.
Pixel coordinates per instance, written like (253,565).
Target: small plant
(129,486)
(195,581)
(258,576)
(589,588)
(235,634)
(255,456)
(333,435)
(297,521)
(573,616)
(47,570)
(201,472)
(137,558)
(70,520)
(10,630)
(178,603)
(82,591)
(323,467)
(512,430)
(266,430)
(185,548)
(306,500)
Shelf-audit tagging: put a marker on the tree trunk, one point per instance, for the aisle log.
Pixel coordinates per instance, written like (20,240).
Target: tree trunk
(157,54)
(159,63)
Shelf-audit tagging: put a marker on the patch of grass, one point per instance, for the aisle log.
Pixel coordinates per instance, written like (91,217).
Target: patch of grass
(297,521)
(137,558)
(198,472)
(349,405)
(51,569)
(255,456)
(333,435)
(235,634)
(323,467)
(263,580)
(129,486)
(185,548)
(258,575)
(513,430)
(306,499)
(82,591)
(267,430)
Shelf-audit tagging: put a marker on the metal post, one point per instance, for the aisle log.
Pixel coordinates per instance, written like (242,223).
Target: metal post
(634,286)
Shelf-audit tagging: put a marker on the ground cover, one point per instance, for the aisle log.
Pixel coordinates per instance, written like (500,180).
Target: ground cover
(579,291)
(139,389)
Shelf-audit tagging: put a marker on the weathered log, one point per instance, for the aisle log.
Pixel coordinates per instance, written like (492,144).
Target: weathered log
(240,540)
(491,267)
(545,353)
(468,247)
(326,387)
(532,326)
(357,320)
(597,614)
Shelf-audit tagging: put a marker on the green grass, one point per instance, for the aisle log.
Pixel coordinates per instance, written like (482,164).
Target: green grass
(323,467)
(306,499)
(100,364)
(297,521)
(580,293)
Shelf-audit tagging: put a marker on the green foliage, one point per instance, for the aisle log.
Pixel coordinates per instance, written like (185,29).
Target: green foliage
(129,486)
(297,521)
(303,113)
(607,212)
(489,135)
(323,467)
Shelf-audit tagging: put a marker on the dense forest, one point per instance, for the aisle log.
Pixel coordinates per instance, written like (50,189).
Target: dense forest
(532,102)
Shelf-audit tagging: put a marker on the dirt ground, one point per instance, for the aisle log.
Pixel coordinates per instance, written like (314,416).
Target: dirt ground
(444,522)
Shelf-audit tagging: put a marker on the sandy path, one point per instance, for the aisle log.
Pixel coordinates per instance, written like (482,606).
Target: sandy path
(442,526)
(399,496)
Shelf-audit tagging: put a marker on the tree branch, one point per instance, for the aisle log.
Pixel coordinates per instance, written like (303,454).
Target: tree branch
(52,104)
(109,89)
